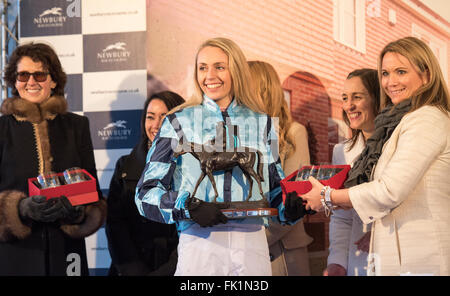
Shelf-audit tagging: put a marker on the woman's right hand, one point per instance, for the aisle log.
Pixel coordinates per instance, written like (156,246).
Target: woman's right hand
(335,270)
(313,196)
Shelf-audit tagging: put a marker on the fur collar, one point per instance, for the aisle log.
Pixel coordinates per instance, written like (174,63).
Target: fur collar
(24,110)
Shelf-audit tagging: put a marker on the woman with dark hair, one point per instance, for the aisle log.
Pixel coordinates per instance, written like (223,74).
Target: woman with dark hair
(399,183)
(367,81)
(139,246)
(36,52)
(163,101)
(348,236)
(37,136)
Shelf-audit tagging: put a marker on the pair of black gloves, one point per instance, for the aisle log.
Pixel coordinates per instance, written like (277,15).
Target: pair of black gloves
(208,214)
(39,208)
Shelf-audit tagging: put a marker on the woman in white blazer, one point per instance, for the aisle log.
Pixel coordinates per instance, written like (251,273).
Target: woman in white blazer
(349,237)
(400,181)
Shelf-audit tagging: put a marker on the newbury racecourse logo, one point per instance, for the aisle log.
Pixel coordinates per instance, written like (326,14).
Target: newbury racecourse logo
(54,10)
(115,131)
(117,45)
(118,123)
(51,17)
(115,52)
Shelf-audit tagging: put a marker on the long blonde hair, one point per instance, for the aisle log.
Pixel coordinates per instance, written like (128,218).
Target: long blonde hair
(435,92)
(268,86)
(242,88)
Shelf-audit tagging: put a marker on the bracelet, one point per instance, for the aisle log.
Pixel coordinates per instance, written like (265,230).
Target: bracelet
(328,197)
(326,200)
(326,208)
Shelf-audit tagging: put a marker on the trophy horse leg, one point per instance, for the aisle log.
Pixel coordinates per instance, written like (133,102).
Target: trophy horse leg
(250,180)
(252,172)
(213,182)
(200,179)
(248,168)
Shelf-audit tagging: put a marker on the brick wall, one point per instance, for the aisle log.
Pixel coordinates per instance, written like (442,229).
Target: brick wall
(310,104)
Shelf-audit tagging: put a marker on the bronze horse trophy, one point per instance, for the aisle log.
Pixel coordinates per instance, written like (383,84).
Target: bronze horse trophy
(215,157)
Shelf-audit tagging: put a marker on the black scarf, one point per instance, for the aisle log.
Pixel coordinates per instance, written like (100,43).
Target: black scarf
(385,123)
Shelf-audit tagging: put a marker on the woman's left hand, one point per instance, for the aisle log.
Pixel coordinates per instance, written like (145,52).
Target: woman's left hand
(313,196)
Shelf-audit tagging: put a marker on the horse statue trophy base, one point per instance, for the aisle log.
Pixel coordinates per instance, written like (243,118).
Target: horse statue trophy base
(247,209)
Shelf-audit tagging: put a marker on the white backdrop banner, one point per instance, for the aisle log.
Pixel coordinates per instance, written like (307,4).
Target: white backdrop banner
(101,45)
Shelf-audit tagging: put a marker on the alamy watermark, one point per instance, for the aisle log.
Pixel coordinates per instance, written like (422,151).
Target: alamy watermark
(229,136)
(74,8)
(373,8)
(74,266)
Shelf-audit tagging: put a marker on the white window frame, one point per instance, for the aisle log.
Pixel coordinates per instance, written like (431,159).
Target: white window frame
(434,42)
(360,24)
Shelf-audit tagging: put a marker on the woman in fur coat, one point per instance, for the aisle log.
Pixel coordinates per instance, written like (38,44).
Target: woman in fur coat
(38,135)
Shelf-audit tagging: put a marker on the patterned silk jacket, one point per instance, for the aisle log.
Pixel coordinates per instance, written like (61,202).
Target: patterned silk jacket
(167,182)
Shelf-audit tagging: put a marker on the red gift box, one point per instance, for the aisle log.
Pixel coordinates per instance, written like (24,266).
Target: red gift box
(78,193)
(289,184)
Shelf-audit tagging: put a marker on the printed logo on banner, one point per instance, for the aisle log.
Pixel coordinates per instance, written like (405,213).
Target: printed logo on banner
(116,52)
(114,129)
(112,52)
(114,90)
(74,92)
(50,17)
(121,16)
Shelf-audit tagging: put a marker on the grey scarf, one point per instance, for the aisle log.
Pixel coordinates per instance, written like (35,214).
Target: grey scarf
(385,123)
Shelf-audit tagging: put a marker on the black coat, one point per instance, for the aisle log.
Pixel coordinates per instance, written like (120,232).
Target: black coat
(42,248)
(137,245)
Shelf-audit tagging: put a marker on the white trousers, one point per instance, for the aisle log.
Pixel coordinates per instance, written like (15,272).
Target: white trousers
(224,249)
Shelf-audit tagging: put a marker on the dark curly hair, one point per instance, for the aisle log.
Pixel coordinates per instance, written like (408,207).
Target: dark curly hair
(38,52)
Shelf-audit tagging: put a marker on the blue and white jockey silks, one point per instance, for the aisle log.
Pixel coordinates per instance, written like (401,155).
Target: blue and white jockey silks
(167,182)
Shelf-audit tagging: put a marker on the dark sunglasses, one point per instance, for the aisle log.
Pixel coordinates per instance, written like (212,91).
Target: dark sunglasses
(38,76)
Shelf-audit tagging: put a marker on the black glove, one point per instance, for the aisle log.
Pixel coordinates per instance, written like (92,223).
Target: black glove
(68,214)
(38,208)
(294,207)
(205,213)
